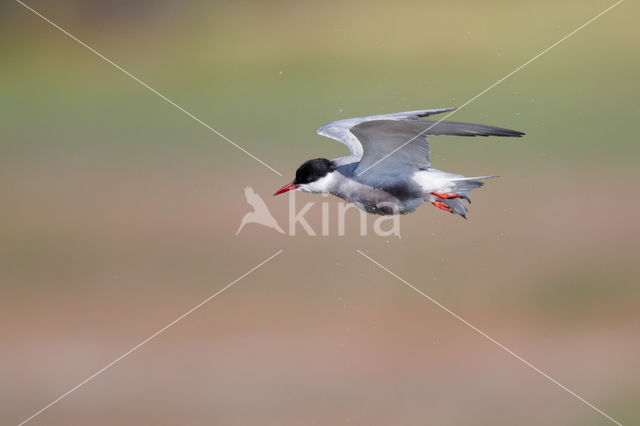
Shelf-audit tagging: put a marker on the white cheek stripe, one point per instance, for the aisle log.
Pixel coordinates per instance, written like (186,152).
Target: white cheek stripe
(322,185)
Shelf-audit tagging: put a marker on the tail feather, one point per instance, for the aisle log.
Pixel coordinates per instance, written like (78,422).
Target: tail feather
(456,206)
(462,187)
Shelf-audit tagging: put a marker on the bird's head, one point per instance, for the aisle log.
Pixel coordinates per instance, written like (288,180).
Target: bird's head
(312,176)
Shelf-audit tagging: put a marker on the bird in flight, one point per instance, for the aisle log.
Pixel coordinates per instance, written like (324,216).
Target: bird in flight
(260,213)
(388,170)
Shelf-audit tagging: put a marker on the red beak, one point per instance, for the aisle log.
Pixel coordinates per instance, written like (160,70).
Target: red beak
(287,187)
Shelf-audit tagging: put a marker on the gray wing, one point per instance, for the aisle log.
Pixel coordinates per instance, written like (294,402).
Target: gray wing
(405,144)
(341,130)
(430,127)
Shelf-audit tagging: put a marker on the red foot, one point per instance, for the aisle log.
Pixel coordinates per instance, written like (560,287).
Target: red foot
(441,205)
(446,195)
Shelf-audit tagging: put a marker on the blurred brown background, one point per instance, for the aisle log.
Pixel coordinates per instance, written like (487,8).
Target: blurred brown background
(119,214)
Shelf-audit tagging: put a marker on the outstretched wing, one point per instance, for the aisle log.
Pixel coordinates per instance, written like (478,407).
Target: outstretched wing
(254,200)
(341,130)
(403,145)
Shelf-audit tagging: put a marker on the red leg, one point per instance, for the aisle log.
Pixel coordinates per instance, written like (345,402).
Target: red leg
(446,195)
(441,205)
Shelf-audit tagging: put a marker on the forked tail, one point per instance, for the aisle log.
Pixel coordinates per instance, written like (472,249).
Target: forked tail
(458,190)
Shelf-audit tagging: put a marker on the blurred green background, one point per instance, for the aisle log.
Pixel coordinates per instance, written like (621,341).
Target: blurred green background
(119,214)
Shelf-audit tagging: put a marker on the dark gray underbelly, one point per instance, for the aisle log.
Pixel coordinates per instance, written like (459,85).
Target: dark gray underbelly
(376,196)
(398,199)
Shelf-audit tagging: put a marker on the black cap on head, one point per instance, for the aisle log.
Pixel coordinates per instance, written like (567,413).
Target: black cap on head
(313,170)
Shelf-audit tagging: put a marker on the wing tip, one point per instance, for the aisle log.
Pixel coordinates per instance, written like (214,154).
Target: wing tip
(513,133)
